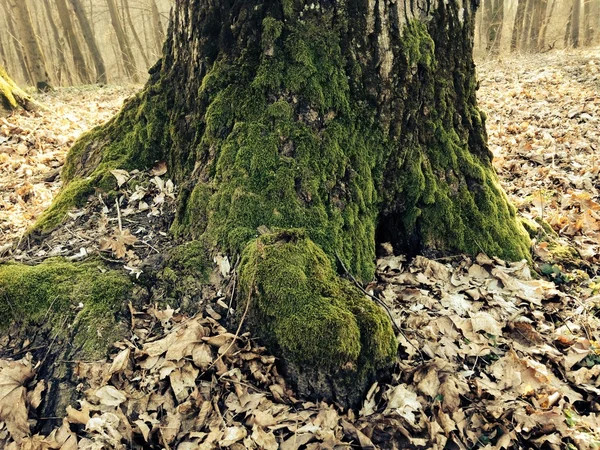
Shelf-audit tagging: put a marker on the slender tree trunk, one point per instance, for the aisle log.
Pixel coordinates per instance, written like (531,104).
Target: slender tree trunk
(495,26)
(537,18)
(544,29)
(567,38)
(524,43)
(517,30)
(33,52)
(90,40)
(159,33)
(575,23)
(17,46)
(63,71)
(588,28)
(125,48)
(78,58)
(136,37)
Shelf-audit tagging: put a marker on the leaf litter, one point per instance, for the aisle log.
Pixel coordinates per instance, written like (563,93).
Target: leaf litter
(492,355)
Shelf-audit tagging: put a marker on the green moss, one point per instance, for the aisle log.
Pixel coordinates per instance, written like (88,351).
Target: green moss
(313,317)
(49,295)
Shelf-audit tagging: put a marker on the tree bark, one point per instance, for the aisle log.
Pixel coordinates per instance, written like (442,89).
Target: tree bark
(302,135)
(136,37)
(11,96)
(588,27)
(575,22)
(78,58)
(63,74)
(126,53)
(33,53)
(158,31)
(517,30)
(90,40)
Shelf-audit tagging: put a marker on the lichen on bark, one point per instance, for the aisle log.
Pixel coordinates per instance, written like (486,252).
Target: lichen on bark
(355,121)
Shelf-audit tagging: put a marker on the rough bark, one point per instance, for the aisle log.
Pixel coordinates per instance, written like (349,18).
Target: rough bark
(517,30)
(330,127)
(33,52)
(90,40)
(11,96)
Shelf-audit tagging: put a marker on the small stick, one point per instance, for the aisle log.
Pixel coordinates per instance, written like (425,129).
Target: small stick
(119,215)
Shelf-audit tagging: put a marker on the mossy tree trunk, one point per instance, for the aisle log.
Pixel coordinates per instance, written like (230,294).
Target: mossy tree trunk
(11,96)
(331,126)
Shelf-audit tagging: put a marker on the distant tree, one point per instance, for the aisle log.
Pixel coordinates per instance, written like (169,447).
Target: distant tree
(78,57)
(33,53)
(518,24)
(90,40)
(575,23)
(124,46)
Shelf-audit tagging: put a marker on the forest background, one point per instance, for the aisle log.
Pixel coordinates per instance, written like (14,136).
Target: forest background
(116,41)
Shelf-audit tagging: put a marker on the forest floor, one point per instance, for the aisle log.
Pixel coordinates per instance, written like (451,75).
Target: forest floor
(493,355)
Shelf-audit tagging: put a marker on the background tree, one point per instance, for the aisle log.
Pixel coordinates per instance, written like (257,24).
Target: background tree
(302,135)
(124,47)
(90,41)
(34,58)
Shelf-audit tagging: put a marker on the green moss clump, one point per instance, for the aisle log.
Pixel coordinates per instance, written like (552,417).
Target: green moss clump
(311,316)
(49,295)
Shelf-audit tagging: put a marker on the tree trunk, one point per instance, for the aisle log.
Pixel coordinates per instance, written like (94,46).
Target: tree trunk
(136,37)
(495,26)
(90,40)
(11,96)
(33,53)
(324,130)
(78,58)
(159,33)
(575,20)
(518,26)
(588,27)
(63,71)
(126,53)
(524,44)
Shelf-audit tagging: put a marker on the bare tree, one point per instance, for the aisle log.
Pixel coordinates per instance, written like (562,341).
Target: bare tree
(518,24)
(90,40)
(136,37)
(159,34)
(33,53)
(62,68)
(576,18)
(125,48)
(588,24)
(78,58)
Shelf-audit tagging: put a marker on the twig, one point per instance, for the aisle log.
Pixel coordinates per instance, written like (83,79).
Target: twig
(380,303)
(237,333)
(377,300)
(119,215)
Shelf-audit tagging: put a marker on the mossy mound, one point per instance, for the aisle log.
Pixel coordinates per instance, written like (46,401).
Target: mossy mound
(75,300)
(313,318)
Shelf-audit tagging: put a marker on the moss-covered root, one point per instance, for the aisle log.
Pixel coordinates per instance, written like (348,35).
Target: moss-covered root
(332,338)
(76,301)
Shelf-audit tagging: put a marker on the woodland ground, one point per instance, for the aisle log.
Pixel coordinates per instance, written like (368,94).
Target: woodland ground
(493,355)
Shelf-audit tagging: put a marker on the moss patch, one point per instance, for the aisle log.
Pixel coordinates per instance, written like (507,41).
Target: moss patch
(49,295)
(313,317)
